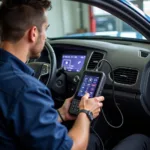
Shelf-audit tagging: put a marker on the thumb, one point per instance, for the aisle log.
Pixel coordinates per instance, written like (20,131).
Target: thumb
(71,98)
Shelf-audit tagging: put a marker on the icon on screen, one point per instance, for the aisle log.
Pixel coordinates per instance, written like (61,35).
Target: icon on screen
(84,84)
(93,85)
(83,87)
(92,89)
(91,94)
(79,62)
(90,80)
(96,79)
(86,79)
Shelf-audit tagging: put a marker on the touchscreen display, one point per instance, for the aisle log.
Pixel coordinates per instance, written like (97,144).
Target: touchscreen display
(73,63)
(89,85)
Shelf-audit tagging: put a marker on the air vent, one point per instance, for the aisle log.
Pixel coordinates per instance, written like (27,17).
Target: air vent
(144,53)
(125,76)
(96,57)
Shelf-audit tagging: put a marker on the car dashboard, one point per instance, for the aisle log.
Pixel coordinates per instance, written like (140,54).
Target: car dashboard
(127,61)
(75,56)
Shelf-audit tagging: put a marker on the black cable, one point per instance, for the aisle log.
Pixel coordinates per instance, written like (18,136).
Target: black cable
(113,92)
(102,144)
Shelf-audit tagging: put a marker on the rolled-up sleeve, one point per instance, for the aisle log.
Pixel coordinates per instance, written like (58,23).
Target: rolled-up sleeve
(35,121)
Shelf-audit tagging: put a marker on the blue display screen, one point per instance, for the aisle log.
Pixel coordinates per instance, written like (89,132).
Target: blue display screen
(89,85)
(73,63)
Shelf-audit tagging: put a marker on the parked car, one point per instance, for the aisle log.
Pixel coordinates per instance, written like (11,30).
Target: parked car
(109,23)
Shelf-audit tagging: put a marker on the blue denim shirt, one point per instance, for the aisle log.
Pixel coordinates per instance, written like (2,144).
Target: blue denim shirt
(28,119)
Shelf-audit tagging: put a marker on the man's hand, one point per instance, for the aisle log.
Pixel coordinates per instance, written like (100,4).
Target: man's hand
(80,130)
(92,104)
(64,110)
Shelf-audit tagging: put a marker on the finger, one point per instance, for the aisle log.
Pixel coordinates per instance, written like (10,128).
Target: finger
(72,96)
(70,99)
(96,115)
(100,99)
(86,96)
(97,110)
(100,105)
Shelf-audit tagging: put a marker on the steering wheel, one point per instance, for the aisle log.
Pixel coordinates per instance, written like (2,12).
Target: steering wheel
(49,69)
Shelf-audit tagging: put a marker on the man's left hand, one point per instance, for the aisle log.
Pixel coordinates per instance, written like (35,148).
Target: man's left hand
(64,110)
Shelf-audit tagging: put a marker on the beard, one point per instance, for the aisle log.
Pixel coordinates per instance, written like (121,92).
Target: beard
(35,52)
(35,56)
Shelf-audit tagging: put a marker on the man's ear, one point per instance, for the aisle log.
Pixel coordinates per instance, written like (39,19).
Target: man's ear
(33,34)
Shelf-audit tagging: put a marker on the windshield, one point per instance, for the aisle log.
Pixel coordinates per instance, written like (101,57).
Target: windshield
(74,19)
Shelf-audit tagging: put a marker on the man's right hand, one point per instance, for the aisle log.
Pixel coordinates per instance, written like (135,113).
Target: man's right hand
(80,130)
(92,104)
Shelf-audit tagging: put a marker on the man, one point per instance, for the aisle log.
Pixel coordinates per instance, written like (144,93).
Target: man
(28,119)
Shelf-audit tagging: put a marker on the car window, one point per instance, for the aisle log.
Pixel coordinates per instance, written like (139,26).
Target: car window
(68,18)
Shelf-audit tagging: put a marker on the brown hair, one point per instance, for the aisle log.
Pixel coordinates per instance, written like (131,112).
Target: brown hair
(16,16)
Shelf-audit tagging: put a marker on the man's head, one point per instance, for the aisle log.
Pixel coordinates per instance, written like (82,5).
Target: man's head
(25,20)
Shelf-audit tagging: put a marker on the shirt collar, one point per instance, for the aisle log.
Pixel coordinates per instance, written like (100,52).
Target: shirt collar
(15,62)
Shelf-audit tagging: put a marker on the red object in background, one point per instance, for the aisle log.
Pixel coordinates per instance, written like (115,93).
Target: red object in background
(92,20)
